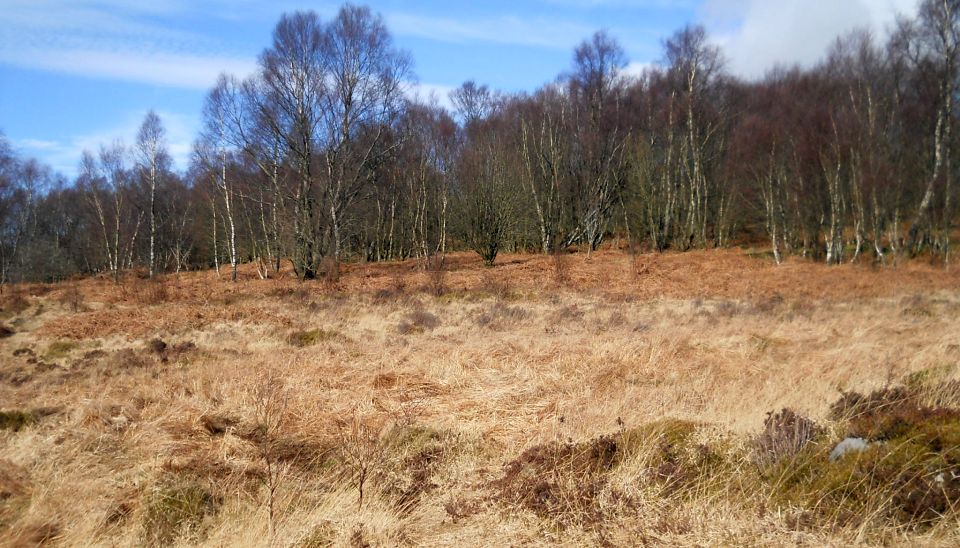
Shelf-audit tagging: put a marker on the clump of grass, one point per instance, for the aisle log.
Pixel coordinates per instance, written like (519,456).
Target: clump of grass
(217,424)
(128,358)
(500,315)
(418,321)
(5,331)
(917,306)
(167,352)
(58,350)
(673,459)
(16,420)
(418,450)
(32,534)
(310,337)
(569,483)
(767,305)
(323,535)
(176,510)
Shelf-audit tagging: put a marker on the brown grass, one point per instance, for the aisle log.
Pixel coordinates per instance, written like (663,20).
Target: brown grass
(664,399)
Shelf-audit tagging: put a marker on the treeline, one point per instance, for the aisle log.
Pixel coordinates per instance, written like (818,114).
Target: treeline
(321,156)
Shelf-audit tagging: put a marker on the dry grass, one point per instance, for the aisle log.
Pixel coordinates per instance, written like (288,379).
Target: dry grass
(623,405)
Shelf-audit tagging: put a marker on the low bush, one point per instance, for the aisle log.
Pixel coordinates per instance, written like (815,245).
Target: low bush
(785,433)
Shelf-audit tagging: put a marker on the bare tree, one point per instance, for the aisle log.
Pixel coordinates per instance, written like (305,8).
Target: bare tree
(366,74)
(106,184)
(153,161)
(934,48)
(596,87)
(473,102)
(213,150)
(290,95)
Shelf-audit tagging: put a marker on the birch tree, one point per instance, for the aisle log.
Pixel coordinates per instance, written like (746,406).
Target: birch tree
(153,161)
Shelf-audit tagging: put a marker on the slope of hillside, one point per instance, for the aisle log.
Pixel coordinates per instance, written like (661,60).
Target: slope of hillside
(611,401)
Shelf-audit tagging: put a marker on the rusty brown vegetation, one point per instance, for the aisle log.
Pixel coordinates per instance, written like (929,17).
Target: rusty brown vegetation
(618,399)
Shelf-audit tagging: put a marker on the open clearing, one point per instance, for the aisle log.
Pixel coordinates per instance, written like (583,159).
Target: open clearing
(612,401)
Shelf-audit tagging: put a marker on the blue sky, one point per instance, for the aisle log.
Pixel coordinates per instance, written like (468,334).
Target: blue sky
(78,73)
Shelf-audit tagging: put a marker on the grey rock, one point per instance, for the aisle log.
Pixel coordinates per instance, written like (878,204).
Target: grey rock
(849,445)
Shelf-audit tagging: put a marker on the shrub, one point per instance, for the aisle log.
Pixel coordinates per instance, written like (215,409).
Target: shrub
(436,272)
(785,433)
(561,481)
(561,266)
(13,303)
(330,268)
(73,299)
(151,292)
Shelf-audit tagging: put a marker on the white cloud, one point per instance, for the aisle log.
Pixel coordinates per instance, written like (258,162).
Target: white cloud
(758,34)
(636,69)
(430,93)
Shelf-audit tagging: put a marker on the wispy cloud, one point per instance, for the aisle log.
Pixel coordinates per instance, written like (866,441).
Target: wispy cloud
(165,69)
(64,155)
(112,39)
(632,4)
(527,31)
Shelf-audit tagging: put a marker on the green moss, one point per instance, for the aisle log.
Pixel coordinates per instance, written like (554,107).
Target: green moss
(929,376)
(906,475)
(411,438)
(58,350)
(176,510)
(665,432)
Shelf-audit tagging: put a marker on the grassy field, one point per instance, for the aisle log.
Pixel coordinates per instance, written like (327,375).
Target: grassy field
(654,399)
